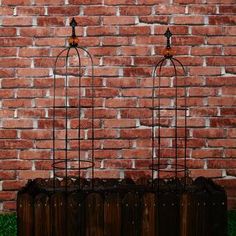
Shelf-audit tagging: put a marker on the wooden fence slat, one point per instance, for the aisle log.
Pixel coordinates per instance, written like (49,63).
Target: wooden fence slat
(112,215)
(25,214)
(187,215)
(75,215)
(42,214)
(131,214)
(59,219)
(167,214)
(94,215)
(148,215)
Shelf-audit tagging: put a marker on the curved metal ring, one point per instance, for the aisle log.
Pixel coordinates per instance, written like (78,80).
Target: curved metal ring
(54,165)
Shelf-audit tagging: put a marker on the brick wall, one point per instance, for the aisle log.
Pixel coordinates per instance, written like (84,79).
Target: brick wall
(125,38)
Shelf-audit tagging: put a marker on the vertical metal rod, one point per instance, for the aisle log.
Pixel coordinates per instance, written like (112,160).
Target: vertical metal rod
(93,95)
(176,119)
(153,114)
(79,116)
(66,120)
(54,123)
(185,123)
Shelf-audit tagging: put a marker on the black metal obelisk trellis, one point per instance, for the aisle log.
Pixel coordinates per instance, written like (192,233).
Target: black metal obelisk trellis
(73,95)
(69,204)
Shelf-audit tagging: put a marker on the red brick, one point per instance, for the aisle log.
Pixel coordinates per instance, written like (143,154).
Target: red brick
(190,20)
(119,2)
(24,124)
(49,2)
(8,154)
(221,163)
(4,11)
(33,72)
(225,122)
(50,21)
(118,164)
(197,112)
(203,9)
(154,19)
(207,153)
(219,20)
(107,174)
(135,10)
(207,30)
(208,133)
(120,102)
(12,165)
(205,71)
(7,73)
(35,32)
(136,113)
(228,91)
(99,11)
(111,41)
(101,30)
(8,52)
(222,40)
(29,174)
(68,10)
(7,175)
(17,21)
(6,93)
(135,30)
(8,32)
(30,11)
(34,52)
(14,62)
(169,9)
(118,20)
(206,51)
(119,123)
(17,103)
(7,195)
(85,2)
(206,173)
(134,50)
(7,134)
(150,2)
(135,133)
(117,144)
(222,142)
(122,82)
(136,174)
(230,153)
(6,113)
(231,133)
(136,153)
(16,2)
(12,184)
(105,154)
(188,40)
(16,83)
(13,42)
(137,71)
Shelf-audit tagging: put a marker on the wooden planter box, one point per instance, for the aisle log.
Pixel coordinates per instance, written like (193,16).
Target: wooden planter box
(121,208)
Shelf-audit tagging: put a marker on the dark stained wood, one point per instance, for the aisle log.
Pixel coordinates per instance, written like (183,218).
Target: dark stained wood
(187,215)
(25,214)
(148,215)
(75,214)
(59,219)
(94,215)
(218,214)
(201,211)
(112,215)
(131,214)
(42,214)
(167,214)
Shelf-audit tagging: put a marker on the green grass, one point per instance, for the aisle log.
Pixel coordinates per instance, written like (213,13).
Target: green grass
(8,224)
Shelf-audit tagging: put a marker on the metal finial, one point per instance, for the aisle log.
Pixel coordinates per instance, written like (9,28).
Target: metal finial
(73,24)
(168,35)
(73,40)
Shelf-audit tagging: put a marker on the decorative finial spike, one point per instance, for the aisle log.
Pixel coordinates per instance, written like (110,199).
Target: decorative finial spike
(73,22)
(168,35)
(73,40)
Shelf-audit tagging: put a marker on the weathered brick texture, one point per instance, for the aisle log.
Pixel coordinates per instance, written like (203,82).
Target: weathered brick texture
(126,40)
